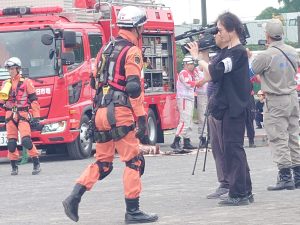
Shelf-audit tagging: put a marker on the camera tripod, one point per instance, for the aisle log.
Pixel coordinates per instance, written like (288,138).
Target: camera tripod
(203,141)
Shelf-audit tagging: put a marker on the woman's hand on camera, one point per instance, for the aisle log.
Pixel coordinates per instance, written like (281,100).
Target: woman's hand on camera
(192,47)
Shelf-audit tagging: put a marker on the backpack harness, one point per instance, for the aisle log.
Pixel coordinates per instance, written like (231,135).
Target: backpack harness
(111,89)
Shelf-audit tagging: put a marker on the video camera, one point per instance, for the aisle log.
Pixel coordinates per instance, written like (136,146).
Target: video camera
(207,39)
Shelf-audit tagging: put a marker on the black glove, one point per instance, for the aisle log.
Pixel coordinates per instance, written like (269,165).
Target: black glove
(90,131)
(34,123)
(142,130)
(93,82)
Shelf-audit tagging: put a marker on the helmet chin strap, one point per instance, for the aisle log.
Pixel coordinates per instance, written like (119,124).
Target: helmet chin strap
(137,31)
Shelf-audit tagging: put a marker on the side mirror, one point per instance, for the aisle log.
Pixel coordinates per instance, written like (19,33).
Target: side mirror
(69,39)
(67,58)
(47,39)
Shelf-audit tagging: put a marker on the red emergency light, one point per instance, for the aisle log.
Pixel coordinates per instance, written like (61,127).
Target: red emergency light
(14,11)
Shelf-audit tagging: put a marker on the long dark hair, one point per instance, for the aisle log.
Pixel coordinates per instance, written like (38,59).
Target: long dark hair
(231,23)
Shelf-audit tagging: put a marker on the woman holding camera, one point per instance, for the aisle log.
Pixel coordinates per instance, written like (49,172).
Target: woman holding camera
(229,104)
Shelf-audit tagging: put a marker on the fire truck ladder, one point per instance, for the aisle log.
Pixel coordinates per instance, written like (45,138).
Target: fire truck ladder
(139,3)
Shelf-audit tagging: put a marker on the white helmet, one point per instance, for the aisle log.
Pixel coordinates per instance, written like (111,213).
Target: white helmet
(131,16)
(260,92)
(13,61)
(188,59)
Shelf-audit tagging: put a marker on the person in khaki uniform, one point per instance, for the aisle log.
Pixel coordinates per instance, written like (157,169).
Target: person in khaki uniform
(277,68)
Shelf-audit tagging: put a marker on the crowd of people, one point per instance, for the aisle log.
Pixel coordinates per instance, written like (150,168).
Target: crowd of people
(225,101)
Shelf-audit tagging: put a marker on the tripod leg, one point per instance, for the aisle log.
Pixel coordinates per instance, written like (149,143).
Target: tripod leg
(201,138)
(206,150)
(206,147)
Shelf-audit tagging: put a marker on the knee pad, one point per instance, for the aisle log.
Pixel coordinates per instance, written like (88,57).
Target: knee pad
(102,171)
(12,145)
(27,143)
(131,164)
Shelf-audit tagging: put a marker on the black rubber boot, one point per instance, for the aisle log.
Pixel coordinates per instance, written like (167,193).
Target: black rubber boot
(176,144)
(296,171)
(36,166)
(203,142)
(251,143)
(187,144)
(71,203)
(284,181)
(14,167)
(135,215)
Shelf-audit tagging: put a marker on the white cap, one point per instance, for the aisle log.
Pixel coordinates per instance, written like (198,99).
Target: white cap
(188,59)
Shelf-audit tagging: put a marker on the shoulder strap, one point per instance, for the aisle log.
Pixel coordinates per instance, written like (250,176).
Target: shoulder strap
(286,57)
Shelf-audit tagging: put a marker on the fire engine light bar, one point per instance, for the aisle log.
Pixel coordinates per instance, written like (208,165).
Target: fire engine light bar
(16,11)
(13,11)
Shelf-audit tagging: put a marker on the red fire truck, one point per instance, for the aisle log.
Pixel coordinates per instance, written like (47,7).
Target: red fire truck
(58,46)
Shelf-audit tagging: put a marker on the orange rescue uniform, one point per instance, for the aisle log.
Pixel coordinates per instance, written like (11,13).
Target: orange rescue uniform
(18,121)
(128,146)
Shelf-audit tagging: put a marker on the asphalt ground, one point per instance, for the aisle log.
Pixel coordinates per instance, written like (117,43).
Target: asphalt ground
(169,189)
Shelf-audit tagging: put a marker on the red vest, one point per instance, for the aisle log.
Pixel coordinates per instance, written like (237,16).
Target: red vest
(18,97)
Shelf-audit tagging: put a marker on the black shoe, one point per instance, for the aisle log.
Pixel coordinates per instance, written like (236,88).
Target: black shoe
(234,201)
(176,144)
(218,193)
(14,167)
(71,203)
(187,144)
(203,142)
(135,215)
(284,181)
(36,166)
(296,171)
(258,127)
(182,151)
(251,197)
(251,143)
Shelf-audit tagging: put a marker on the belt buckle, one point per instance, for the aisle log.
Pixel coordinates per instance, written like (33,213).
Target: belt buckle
(105,90)
(14,109)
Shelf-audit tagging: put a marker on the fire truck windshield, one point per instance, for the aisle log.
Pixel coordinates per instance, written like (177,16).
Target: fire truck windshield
(37,59)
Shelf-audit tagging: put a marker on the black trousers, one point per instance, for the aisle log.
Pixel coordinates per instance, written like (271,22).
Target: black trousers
(259,119)
(233,130)
(250,114)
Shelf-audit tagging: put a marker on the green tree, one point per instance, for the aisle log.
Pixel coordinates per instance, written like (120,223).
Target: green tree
(179,58)
(267,13)
(290,5)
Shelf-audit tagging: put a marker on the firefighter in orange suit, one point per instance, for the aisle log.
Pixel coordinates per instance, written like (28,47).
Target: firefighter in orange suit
(119,98)
(19,97)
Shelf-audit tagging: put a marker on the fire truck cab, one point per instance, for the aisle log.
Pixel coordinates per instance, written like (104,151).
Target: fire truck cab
(58,47)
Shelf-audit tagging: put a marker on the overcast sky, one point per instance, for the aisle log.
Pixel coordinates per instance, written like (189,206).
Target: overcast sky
(186,10)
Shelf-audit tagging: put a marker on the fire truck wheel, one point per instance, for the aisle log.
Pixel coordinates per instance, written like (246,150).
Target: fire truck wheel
(81,148)
(152,127)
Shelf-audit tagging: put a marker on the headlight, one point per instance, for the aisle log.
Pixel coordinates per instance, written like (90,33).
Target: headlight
(54,127)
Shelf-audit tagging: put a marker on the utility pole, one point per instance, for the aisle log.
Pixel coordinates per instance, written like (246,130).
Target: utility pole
(203,12)
(298,20)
